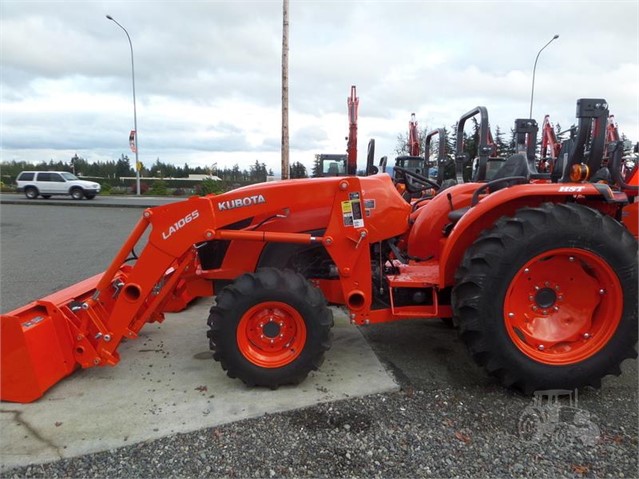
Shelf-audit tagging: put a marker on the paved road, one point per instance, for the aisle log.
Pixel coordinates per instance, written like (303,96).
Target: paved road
(46,248)
(449,419)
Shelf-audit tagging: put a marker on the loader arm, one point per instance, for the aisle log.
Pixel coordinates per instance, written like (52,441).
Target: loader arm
(413,137)
(351,148)
(83,325)
(550,146)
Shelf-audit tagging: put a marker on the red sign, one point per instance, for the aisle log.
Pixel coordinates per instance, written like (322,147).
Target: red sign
(132,140)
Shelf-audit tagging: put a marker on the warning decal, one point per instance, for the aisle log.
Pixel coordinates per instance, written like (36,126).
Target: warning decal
(352,213)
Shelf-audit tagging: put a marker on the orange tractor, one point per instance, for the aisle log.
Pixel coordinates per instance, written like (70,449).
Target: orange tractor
(541,278)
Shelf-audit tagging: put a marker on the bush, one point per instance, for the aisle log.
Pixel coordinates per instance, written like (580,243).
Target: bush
(105,188)
(179,192)
(158,188)
(4,188)
(119,190)
(207,187)
(143,189)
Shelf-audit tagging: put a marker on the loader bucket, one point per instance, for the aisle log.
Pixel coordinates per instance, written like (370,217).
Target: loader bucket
(38,343)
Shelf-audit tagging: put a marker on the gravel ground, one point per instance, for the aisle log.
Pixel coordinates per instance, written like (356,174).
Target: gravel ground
(460,432)
(448,419)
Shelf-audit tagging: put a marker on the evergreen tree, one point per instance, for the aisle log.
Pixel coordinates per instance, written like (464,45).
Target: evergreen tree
(298,170)
(502,146)
(452,139)
(123,167)
(317,167)
(257,172)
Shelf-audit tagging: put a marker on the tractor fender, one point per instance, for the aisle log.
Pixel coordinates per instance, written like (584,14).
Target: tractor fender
(506,202)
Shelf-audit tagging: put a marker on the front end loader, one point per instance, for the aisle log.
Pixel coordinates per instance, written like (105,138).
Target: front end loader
(540,278)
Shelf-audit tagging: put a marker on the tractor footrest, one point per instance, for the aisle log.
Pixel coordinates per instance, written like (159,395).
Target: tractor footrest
(419,275)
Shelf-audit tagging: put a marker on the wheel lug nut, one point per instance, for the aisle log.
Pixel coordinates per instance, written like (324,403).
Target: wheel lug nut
(602,291)
(531,297)
(534,308)
(557,287)
(536,288)
(541,347)
(556,308)
(281,323)
(571,259)
(586,335)
(527,270)
(511,315)
(545,311)
(272,341)
(546,284)
(560,297)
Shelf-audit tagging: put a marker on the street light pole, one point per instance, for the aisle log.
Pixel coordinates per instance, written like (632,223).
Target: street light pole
(135,115)
(532,90)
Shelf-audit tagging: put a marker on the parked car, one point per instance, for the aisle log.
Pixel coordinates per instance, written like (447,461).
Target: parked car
(48,183)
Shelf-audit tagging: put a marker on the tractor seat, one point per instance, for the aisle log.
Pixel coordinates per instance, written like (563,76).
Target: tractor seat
(455,215)
(333,169)
(515,165)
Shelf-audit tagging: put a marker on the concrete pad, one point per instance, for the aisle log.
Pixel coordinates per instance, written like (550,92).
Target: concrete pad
(166,383)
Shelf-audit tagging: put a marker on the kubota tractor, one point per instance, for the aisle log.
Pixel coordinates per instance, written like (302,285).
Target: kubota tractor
(541,278)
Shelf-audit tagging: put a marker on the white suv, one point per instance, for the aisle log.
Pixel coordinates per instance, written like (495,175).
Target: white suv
(48,183)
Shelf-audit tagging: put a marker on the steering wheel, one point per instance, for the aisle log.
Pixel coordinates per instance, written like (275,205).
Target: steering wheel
(412,180)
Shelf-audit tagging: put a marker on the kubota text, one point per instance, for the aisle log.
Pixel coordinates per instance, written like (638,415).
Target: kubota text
(240,202)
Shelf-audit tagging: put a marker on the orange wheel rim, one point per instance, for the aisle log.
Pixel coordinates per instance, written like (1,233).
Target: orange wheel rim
(271,334)
(563,306)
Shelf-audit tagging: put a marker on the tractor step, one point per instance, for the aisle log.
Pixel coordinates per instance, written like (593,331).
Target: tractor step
(420,275)
(417,285)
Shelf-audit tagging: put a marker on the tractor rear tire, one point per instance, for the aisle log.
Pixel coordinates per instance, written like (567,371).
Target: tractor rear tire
(270,328)
(547,299)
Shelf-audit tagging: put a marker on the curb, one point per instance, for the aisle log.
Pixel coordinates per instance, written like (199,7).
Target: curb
(83,203)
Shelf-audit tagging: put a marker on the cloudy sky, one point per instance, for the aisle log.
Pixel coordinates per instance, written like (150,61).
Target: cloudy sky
(208,73)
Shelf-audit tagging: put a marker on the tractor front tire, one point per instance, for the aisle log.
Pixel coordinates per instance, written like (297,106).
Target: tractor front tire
(547,299)
(270,328)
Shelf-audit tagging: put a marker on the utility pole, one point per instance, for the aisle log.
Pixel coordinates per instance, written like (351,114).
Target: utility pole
(285,168)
